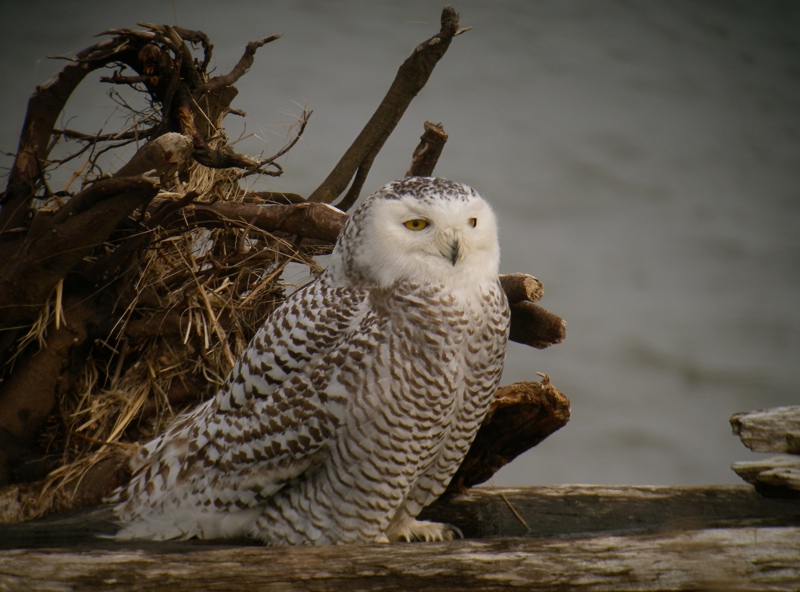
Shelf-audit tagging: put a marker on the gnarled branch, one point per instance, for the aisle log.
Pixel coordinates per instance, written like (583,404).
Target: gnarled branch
(44,108)
(410,79)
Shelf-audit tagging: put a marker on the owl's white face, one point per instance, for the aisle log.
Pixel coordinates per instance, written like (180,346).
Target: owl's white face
(424,230)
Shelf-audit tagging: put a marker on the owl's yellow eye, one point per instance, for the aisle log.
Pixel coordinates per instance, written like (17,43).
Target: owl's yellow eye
(473,222)
(415,224)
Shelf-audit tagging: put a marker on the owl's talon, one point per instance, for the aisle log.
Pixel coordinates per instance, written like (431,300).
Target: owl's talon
(422,531)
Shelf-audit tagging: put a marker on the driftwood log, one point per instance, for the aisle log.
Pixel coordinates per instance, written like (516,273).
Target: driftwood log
(771,430)
(535,538)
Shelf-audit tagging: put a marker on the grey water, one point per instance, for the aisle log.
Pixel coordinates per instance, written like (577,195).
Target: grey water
(643,159)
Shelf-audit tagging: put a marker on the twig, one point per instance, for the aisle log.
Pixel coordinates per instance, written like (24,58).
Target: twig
(517,515)
(303,122)
(273,197)
(197,37)
(44,108)
(95,138)
(239,70)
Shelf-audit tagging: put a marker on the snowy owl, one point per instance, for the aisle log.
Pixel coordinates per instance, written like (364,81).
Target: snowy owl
(357,400)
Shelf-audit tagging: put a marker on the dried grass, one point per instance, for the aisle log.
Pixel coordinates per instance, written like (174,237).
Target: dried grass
(206,292)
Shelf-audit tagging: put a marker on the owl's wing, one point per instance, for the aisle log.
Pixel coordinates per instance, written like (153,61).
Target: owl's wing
(273,418)
(309,324)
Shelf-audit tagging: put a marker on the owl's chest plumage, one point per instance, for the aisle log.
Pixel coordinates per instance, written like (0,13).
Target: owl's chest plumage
(417,414)
(442,344)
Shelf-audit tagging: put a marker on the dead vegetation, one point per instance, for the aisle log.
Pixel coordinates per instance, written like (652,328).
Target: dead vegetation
(126,297)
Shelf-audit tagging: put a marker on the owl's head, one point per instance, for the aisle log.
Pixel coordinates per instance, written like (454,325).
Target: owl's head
(420,229)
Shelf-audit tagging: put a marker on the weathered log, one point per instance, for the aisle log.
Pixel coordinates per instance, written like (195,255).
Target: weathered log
(769,430)
(774,476)
(731,560)
(580,537)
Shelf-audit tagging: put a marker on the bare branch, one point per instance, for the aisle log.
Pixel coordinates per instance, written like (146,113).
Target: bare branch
(197,37)
(427,153)
(302,123)
(309,220)
(410,79)
(273,197)
(533,325)
(240,69)
(44,108)
(520,287)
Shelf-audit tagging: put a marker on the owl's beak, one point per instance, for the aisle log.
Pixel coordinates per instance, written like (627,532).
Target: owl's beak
(454,252)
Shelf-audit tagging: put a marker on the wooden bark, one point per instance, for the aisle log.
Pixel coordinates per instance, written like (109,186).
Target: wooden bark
(774,475)
(32,270)
(769,430)
(427,152)
(520,287)
(728,560)
(580,538)
(308,220)
(53,247)
(535,326)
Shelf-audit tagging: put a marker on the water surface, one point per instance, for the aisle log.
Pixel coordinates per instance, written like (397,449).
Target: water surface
(642,157)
